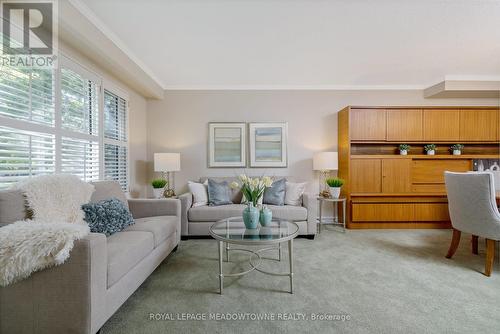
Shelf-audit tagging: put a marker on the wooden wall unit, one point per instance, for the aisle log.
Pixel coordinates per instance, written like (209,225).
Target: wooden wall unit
(387,190)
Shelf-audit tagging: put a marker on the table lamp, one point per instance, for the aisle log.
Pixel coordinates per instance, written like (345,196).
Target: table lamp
(325,162)
(168,163)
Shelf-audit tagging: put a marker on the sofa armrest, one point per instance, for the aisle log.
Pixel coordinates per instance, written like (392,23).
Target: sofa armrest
(186,203)
(69,298)
(310,202)
(141,208)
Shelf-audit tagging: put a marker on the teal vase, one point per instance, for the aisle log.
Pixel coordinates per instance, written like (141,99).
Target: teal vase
(266,216)
(251,216)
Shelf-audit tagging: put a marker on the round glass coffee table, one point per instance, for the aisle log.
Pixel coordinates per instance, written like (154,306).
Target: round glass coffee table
(233,231)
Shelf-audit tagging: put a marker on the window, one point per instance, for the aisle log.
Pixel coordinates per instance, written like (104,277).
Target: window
(115,139)
(79,129)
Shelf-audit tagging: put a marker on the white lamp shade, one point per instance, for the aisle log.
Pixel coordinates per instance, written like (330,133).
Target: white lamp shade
(167,162)
(326,161)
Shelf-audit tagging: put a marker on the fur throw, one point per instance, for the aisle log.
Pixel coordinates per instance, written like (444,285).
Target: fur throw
(56,198)
(26,247)
(32,245)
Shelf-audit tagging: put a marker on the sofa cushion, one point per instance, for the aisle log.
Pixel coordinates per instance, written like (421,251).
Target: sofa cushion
(162,227)
(106,190)
(216,213)
(289,212)
(125,250)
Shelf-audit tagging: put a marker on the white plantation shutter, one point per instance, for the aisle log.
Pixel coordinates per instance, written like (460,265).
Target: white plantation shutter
(80,157)
(27,95)
(24,154)
(80,124)
(79,103)
(115,139)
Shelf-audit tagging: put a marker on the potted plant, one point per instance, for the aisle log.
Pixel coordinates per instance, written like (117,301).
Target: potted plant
(158,187)
(430,149)
(457,149)
(335,184)
(253,190)
(404,149)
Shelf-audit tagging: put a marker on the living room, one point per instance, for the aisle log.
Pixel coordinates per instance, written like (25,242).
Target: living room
(249,166)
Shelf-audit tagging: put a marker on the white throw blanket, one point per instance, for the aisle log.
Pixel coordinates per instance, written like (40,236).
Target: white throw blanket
(47,239)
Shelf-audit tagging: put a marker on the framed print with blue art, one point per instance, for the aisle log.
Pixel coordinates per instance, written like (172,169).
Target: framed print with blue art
(227,145)
(268,144)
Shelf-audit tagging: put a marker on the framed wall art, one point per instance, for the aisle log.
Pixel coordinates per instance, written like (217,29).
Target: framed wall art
(226,145)
(268,144)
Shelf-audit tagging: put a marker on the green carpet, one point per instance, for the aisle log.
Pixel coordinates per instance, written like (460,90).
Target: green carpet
(380,282)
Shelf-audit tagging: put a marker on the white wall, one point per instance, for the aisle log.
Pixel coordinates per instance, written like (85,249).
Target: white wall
(179,123)
(138,123)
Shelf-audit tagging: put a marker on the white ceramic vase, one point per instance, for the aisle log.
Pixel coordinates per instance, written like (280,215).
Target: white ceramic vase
(158,192)
(403,152)
(457,152)
(431,152)
(335,192)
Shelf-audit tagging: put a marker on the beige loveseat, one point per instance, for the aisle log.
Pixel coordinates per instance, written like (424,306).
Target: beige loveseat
(101,273)
(196,221)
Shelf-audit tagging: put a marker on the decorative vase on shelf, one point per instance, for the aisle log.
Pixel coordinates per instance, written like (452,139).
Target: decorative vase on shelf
(431,152)
(251,216)
(403,152)
(335,192)
(266,216)
(158,192)
(457,152)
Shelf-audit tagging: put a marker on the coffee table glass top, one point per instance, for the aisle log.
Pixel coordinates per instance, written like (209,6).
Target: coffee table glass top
(233,230)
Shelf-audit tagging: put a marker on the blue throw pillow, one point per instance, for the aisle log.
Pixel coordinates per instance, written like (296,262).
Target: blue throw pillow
(219,193)
(107,216)
(275,195)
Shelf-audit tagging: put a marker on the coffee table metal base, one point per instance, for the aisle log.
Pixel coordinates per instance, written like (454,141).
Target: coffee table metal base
(254,254)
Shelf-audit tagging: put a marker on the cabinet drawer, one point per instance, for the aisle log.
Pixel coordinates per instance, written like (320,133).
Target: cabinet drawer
(432,171)
(437,212)
(382,212)
(429,188)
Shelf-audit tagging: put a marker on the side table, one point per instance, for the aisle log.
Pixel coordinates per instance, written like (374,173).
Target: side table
(334,201)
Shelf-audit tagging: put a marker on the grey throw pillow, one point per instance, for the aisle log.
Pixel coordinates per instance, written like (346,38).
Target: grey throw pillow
(107,216)
(275,195)
(219,193)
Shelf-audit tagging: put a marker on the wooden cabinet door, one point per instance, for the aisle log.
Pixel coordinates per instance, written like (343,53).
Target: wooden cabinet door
(441,125)
(367,124)
(396,175)
(366,176)
(432,170)
(479,125)
(404,125)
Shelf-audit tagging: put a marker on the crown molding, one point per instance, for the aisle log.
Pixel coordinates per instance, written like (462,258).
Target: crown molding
(295,87)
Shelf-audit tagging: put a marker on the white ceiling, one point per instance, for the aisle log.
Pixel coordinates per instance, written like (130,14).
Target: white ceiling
(204,44)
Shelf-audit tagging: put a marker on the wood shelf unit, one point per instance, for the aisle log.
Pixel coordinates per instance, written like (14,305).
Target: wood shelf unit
(388,190)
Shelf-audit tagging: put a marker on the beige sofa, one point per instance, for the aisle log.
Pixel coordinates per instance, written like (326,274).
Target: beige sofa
(196,221)
(101,273)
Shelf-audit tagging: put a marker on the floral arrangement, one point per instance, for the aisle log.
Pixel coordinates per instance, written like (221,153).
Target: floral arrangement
(252,188)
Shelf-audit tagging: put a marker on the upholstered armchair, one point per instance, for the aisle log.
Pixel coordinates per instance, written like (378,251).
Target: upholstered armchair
(473,209)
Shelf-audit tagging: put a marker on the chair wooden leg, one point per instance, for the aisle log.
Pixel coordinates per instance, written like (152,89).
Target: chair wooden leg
(454,243)
(490,255)
(474,244)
